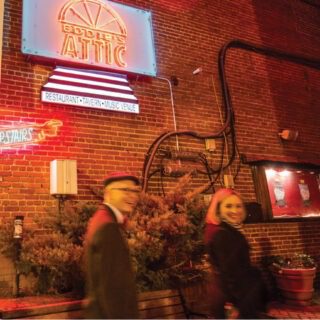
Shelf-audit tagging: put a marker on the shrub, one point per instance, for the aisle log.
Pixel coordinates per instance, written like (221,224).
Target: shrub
(51,250)
(166,241)
(295,261)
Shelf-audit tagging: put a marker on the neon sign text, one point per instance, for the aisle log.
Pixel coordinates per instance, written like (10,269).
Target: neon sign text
(93,28)
(10,137)
(28,134)
(103,34)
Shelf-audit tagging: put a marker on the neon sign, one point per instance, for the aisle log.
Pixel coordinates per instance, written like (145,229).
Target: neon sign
(28,134)
(97,33)
(91,24)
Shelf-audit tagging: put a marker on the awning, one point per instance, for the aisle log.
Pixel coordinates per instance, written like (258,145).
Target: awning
(90,88)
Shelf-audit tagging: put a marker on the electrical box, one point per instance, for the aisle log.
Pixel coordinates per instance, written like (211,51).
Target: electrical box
(207,198)
(210,145)
(63,177)
(228,181)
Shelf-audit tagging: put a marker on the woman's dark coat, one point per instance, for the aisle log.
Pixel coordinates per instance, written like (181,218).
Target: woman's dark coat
(235,280)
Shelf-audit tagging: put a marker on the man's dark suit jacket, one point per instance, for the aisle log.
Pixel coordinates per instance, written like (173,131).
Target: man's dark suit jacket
(111,289)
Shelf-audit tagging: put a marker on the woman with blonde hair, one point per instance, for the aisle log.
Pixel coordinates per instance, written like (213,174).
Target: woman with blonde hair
(235,284)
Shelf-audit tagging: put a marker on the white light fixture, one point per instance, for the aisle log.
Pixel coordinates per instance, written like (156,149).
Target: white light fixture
(271,173)
(197,71)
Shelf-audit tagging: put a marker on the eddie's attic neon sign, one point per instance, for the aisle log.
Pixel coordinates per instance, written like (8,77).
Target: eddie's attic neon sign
(93,27)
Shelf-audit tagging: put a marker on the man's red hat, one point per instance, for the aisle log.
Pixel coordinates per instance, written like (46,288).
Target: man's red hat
(117,176)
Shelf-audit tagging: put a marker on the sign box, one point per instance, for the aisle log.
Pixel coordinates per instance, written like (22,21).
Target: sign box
(94,33)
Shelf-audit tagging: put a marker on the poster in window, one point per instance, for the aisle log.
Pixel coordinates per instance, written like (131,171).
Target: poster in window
(293,192)
(279,193)
(305,193)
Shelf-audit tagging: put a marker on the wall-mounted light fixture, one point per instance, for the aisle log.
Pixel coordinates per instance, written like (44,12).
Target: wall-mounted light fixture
(18,227)
(289,135)
(17,238)
(197,71)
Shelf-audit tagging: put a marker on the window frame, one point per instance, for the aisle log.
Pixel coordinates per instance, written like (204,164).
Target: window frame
(262,190)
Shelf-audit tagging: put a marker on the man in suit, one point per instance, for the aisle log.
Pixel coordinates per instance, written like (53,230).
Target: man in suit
(111,288)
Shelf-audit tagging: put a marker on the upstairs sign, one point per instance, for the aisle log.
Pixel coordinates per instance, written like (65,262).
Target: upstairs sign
(24,134)
(94,33)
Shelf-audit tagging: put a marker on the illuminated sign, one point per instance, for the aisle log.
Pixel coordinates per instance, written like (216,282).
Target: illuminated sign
(102,33)
(1,31)
(27,134)
(98,33)
(88,88)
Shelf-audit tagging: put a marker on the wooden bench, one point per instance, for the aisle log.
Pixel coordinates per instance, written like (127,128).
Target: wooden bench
(165,304)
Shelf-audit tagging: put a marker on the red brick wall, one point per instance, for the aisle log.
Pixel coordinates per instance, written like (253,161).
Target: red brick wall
(268,94)
(283,239)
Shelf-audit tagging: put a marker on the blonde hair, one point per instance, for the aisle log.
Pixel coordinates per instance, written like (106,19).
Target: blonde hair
(212,213)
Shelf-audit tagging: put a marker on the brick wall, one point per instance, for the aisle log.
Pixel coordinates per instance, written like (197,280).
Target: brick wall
(267,93)
(283,239)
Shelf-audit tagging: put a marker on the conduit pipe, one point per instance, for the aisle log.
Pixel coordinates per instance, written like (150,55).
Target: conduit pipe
(229,117)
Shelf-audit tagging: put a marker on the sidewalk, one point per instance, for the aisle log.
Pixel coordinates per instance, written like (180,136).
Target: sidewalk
(41,307)
(282,311)
(64,307)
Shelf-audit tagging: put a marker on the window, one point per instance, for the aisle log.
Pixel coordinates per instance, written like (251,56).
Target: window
(287,190)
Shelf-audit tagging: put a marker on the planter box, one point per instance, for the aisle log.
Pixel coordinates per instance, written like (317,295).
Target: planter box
(296,285)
